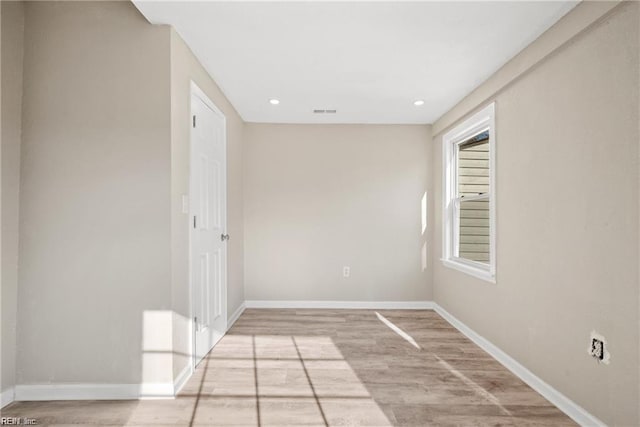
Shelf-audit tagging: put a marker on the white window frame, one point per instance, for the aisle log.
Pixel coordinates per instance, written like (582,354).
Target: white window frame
(481,121)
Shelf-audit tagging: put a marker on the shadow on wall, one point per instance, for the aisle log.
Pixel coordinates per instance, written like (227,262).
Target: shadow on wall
(423,222)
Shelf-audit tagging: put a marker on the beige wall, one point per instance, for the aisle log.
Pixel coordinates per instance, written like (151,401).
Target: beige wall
(567,219)
(95,249)
(562,32)
(185,68)
(104,242)
(320,197)
(12,25)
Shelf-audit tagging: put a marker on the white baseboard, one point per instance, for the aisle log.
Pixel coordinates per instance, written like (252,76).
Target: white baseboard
(77,391)
(94,391)
(236,314)
(156,391)
(182,379)
(371,305)
(6,397)
(566,405)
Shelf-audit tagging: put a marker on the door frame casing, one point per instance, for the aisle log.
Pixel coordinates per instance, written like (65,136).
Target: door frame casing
(196,92)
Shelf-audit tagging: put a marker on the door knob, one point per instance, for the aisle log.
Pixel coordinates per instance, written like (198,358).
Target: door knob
(224,237)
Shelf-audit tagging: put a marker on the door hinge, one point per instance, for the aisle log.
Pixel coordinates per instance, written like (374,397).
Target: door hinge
(194,120)
(194,221)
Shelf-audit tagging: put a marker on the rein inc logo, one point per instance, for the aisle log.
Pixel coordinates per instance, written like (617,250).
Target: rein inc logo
(18,421)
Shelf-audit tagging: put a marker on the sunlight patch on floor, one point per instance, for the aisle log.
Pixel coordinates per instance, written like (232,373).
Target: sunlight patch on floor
(398,331)
(475,387)
(279,380)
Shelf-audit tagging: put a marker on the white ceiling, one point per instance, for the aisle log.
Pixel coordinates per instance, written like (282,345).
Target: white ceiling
(367,60)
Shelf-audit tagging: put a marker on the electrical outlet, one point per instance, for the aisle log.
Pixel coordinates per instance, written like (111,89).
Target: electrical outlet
(598,348)
(346,271)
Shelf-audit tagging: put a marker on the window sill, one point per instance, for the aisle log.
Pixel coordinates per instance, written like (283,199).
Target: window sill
(471,270)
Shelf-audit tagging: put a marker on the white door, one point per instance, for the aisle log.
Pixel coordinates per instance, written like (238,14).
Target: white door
(208,224)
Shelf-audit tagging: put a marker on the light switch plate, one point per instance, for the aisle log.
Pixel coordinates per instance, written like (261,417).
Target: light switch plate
(185,204)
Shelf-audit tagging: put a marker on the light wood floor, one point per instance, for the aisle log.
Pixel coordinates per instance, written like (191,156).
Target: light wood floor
(330,367)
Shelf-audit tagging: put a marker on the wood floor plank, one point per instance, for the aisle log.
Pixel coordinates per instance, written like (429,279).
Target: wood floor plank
(295,367)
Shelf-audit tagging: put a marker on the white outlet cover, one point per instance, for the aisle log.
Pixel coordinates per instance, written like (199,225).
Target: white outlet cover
(346,271)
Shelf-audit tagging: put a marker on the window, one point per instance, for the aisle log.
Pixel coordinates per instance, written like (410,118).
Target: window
(469,196)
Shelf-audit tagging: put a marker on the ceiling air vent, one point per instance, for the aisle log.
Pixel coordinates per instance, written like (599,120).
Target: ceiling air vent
(324,111)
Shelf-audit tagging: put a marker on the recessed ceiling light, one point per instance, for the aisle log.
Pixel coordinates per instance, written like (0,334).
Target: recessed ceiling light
(418,103)
(274,101)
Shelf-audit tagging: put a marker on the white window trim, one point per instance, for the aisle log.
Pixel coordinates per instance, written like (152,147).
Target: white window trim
(480,121)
